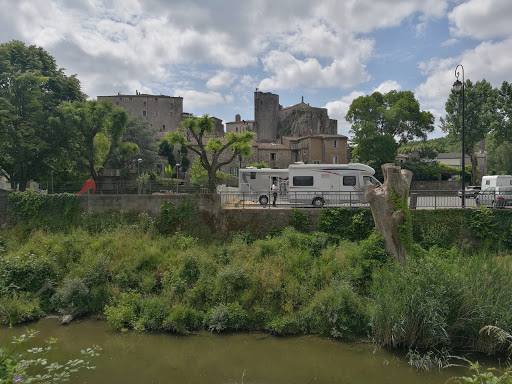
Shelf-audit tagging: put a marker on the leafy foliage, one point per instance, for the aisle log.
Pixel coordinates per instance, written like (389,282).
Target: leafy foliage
(59,211)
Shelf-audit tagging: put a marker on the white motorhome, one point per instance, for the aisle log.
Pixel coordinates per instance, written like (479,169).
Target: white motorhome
(255,184)
(496,181)
(318,184)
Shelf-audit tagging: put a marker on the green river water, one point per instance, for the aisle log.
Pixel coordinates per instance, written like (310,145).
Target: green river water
(249,358)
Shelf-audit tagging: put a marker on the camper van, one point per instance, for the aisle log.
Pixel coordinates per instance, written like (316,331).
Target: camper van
(255,184)
(496,181)
(318,184)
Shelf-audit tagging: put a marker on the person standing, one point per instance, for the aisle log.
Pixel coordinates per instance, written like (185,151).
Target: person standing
(275,189)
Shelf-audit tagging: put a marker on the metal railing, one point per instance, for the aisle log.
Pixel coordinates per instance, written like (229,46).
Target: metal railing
(420,199)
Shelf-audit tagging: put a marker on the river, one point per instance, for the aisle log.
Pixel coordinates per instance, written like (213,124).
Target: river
(249,358)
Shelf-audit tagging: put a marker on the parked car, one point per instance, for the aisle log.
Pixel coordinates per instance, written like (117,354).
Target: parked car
(470,192)
(495,197)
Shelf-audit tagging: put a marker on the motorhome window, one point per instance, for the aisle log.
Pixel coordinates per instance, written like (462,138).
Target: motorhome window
(349,180)
(487,182)
(303,181)
(253,175)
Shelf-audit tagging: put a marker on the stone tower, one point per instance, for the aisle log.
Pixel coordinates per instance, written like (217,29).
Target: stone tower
(266,115)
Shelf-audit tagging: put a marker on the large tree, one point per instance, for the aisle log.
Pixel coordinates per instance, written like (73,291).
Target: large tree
(31,87)
(196,135)
(479,114)
(382,122)
(95,131)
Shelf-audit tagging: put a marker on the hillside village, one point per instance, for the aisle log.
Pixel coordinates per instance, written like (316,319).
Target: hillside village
(299,133)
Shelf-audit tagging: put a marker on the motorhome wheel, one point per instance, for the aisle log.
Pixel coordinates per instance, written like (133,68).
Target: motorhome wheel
(263,200)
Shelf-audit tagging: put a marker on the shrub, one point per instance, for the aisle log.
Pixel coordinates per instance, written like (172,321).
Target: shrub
(337,312)
(226,317)
(183,319)
(284,325)
(18,307)
(348,223)
(123,313)
(73,297)
(230,283)
(153,310)
(370,256)
(58,211)
(299,220)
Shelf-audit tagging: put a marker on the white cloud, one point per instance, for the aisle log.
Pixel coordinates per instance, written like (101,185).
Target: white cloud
(222,79)
(482,19)
(339,108)
(194,100)
(385,87)
(290,72)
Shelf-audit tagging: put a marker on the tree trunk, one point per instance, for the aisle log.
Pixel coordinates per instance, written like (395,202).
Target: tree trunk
(390,211)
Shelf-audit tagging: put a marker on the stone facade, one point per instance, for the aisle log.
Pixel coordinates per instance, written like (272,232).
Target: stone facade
(272,121)
(317,149)
(239,125)
(164,112)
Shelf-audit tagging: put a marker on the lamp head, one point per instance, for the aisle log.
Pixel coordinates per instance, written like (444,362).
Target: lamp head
(457,86)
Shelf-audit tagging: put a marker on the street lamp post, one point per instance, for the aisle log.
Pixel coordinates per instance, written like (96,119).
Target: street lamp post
(138,175)
(177,176)
(457,86)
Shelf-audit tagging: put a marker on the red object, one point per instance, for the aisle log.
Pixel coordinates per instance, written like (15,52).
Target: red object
(89,184)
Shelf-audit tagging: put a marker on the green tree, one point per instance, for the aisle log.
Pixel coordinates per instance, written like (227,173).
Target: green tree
(31,87)
(479,114)
(383,122)
(210,149)
(95,129)
(141,134)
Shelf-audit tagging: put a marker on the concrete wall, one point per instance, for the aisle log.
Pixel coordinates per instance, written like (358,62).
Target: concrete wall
(145,203)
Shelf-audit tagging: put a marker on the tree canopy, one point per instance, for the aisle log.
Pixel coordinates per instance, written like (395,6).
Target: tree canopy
(213,152)
(382,122)
(31,86)
(95,130)
(479,115)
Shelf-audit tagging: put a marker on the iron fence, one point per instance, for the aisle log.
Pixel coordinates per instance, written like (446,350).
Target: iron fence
(420,199)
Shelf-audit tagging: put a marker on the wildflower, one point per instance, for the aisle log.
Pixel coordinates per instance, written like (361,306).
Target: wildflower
(17,379)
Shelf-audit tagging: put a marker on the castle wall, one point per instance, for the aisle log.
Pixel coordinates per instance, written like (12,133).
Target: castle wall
(163,112)
(266,110)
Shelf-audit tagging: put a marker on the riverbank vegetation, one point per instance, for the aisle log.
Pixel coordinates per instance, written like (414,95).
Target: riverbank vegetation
(151,274)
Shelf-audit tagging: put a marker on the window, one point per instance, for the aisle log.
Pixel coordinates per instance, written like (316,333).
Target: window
(349,180)
(253,175)
(335,144)
(144,103)
(272,156)
(335,159)
(233,171)
(316,161)
(130,99)
(143,113)
(487,182)
(303,181)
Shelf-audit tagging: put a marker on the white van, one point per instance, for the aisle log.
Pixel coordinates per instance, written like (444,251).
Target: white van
(496,181)
(318,184)
(255,184)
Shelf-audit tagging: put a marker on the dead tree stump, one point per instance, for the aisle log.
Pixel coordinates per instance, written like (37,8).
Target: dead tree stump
(390,211)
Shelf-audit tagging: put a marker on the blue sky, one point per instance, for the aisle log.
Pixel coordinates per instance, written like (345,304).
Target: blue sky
(215,53)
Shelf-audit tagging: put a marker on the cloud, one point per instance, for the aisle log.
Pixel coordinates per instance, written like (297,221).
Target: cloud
(339,108)
(390,85)
(194,100)
(222,79)
(482,19)
(289,72)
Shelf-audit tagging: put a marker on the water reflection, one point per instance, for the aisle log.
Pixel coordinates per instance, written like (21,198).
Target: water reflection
(234,358)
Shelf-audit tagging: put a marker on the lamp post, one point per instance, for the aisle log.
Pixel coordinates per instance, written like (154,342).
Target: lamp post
(458,86)
(177,176)
(138,175)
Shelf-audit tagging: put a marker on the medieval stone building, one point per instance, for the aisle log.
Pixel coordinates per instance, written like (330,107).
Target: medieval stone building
(163,112)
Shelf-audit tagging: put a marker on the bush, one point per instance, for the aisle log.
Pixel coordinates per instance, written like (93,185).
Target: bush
(299,220)
(226,317)
(183,319)
(59,211)
(230,283)
(337,312)
(72,297)
(153,310)
(18,307)
(123,313)
(284,325)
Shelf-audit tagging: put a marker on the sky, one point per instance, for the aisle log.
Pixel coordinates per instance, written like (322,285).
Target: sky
(215,54)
